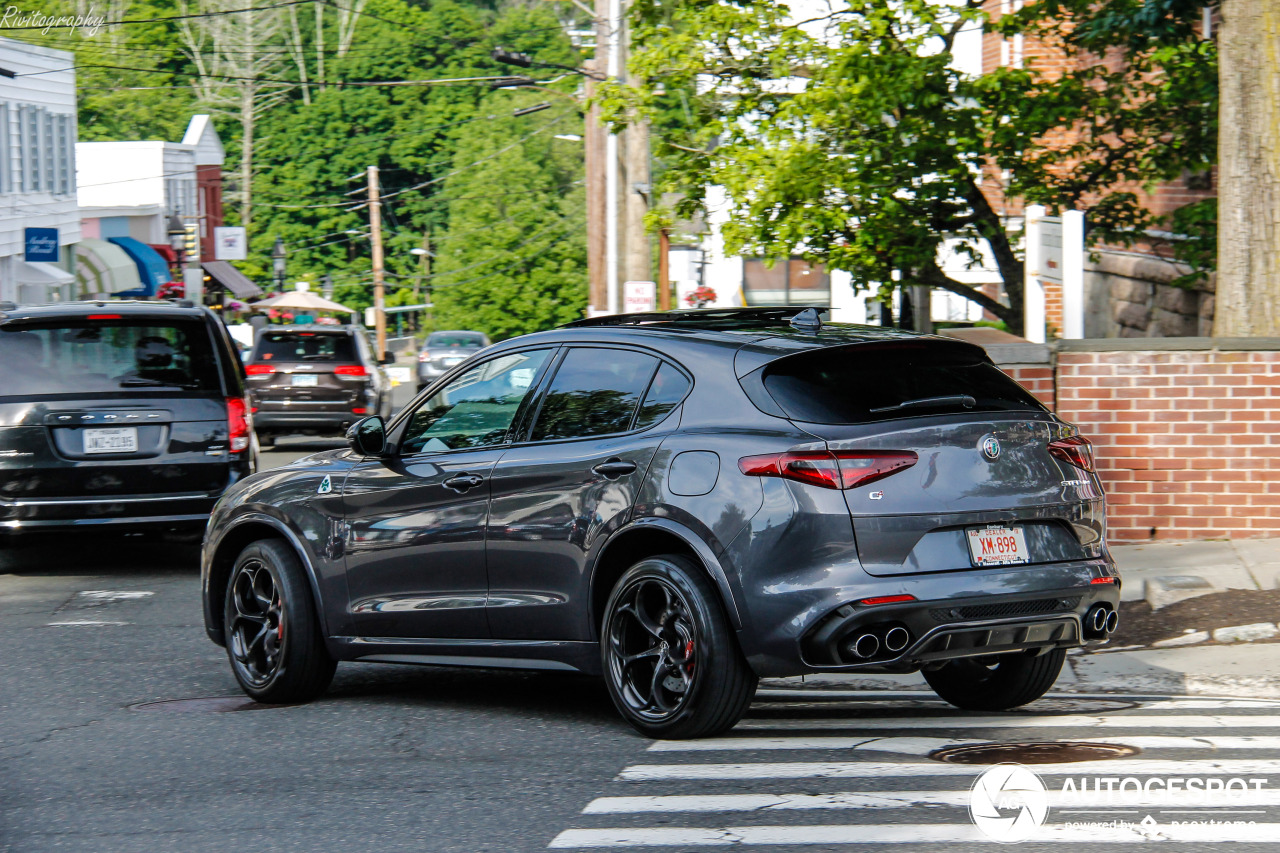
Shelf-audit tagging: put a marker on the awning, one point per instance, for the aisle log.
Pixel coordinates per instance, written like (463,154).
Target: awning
(232,279)
(39,272)
(152,269)
(102,267)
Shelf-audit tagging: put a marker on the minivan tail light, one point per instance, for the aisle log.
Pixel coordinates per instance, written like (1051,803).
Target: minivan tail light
(238,423)
(841,469)
(258,369)
(350,370)
(1076,451)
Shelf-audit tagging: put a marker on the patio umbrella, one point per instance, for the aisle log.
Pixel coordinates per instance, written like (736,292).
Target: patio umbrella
(301,299)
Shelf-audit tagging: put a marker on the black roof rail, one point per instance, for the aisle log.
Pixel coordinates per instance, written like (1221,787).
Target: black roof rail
(709,317)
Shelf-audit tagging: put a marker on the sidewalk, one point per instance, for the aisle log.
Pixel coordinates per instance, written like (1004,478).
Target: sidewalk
(1216,644)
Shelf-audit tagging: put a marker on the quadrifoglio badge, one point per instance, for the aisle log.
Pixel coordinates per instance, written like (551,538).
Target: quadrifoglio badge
(1010,803)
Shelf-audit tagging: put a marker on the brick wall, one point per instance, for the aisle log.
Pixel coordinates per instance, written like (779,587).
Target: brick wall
(1187,439)
(1036,378)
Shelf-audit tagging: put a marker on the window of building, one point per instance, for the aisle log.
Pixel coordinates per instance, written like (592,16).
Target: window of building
(790,282)
(6,146)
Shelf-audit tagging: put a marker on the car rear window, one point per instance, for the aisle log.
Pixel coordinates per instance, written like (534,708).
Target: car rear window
(306,346)
(450,339)
(97,356)
(863,384)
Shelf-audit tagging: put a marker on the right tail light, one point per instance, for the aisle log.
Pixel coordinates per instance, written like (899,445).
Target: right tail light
(1075,451)
(839,469)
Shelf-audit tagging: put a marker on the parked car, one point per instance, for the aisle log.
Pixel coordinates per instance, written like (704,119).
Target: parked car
(118,415)
(682,503)
(446,350)
(314,380)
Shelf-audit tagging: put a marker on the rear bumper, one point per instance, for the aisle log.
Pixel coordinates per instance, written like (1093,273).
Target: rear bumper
(953,615)
(183,511)
(336,421)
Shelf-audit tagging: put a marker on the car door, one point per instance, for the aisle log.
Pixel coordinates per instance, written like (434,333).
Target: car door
(571,482)
(416,519)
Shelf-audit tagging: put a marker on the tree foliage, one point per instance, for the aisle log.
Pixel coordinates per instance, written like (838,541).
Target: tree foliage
(853,139)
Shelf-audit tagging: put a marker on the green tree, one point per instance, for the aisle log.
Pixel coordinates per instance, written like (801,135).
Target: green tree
(853,139)
(513,259)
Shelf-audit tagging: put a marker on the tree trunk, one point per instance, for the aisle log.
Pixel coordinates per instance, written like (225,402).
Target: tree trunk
(1248,298)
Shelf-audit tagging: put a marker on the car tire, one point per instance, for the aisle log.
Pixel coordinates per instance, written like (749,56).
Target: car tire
(664,615)
(266,440)
(273,636)
(997,683)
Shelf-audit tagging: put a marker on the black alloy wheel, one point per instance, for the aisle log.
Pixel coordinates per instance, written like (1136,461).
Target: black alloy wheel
(273,638)
(998,682)
(672,664)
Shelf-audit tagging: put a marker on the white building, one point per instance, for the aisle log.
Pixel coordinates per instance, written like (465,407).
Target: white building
(130,189)
(37,170)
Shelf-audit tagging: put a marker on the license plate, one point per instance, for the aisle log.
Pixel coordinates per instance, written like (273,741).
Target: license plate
(450,362)
(305,380)
(997,546)
(113,440)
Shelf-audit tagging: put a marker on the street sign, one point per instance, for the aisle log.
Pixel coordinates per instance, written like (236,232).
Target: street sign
(230,243)
(41,244)
(639,296)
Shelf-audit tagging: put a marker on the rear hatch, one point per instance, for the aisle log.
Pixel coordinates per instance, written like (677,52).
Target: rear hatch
(307,372)
(115,405)
(984,488)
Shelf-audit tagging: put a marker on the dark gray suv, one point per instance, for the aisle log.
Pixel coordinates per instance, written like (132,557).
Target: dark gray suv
(682,503)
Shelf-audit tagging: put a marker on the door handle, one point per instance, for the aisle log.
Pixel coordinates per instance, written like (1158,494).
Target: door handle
(612,469)
(462,482)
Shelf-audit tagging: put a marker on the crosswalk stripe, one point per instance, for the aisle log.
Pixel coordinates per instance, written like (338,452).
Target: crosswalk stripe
(876,800)
(903,834)
(924,745)
(1019,721)
(861,769)
(863,697)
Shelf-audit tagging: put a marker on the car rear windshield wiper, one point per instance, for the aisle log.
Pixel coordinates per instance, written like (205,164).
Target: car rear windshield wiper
(947,399)
(141,382)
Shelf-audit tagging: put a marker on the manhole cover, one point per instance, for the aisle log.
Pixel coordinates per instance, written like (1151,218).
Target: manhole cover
(216,705)
(1032,753)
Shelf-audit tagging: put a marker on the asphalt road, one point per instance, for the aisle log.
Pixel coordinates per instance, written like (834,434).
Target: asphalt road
(94,631)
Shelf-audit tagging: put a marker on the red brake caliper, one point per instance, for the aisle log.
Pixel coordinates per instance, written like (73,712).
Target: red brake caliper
(688,654)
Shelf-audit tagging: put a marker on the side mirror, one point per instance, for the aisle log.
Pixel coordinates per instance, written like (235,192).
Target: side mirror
(368,436)
(388,357)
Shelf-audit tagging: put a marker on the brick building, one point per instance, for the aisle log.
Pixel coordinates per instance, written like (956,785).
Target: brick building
(1127,289)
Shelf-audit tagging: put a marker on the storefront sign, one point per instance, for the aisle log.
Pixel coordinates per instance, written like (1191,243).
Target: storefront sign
(230,243)
(41,244)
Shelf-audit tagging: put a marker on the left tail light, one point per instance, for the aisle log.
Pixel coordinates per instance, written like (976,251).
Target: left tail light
(239,423)
(1075,451)
(840,469)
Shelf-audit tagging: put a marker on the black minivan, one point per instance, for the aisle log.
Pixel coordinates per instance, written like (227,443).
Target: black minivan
(119,415)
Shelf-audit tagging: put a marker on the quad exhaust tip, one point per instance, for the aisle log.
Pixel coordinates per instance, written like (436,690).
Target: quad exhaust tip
(1113,621)
(865,646)
(896,638)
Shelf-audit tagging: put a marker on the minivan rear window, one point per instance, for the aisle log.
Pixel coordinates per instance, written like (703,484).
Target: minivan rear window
(867,383)
(100,356)
(306,346)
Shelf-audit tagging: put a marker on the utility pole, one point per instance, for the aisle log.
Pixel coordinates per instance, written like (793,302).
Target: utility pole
(613,179)
(594,141)
(375,238)
(637,265)
(664,270)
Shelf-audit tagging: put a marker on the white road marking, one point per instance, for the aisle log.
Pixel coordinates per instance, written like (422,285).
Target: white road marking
(1017,721)
(86,623)
(926,745)
(115,594)
(859,834)
(925,696)
(865,769)
(874,800)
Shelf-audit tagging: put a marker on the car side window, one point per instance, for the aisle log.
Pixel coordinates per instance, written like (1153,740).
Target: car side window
(477,408)
(666,392)
(595,392)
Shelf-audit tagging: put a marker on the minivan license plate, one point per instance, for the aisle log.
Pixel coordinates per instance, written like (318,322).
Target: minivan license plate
(113,440)
(997,546)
